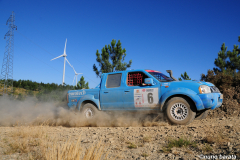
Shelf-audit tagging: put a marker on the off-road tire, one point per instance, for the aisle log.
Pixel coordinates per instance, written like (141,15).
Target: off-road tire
(201,114)
(89,111)
(180,111)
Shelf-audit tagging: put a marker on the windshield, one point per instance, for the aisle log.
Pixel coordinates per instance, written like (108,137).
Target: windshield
(159,76)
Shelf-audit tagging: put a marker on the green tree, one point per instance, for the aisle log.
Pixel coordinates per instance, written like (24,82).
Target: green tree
(184,76)
(81,84)
(228,61)
(234,58)
(221,61)
(111,59)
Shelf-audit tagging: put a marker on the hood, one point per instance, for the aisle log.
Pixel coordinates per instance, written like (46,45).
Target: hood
(198,82)
(190,84)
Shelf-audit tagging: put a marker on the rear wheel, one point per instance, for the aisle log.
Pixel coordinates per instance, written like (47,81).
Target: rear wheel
(201,114)
(89,110)
(180,111)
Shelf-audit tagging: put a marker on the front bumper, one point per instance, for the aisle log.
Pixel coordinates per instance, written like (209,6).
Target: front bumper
(72,106)
(211,100)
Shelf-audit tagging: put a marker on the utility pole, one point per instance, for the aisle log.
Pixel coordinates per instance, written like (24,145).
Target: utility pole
(6,81)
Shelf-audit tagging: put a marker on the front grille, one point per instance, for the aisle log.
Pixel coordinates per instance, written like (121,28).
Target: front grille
(214,89)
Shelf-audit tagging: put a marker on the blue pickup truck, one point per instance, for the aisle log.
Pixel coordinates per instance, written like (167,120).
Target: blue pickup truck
(148,90)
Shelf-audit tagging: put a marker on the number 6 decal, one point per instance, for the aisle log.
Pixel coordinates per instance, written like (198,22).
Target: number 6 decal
(146,97)
(150,98)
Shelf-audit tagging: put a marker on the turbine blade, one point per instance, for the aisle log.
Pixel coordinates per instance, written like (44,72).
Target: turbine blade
(65,47)
(57,57)
(71,66)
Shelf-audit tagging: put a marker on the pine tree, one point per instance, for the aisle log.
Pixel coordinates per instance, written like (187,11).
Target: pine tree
(111,58)
(234,58)
(220,62)
(81,84)
(184,77)
(228,61)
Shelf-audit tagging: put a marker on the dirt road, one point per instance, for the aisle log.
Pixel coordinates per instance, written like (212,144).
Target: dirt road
(208,138)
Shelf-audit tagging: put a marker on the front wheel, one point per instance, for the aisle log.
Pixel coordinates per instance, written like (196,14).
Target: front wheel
(179,111)
(89,111)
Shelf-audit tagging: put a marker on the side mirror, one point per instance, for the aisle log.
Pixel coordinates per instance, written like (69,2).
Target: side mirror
(148,81)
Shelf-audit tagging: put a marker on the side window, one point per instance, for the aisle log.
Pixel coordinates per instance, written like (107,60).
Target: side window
(136,78)
(114,80)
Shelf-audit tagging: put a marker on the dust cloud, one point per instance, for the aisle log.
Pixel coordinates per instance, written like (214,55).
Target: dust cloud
(32,112)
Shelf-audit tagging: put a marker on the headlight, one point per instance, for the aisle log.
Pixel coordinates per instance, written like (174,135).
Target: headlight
(204,89)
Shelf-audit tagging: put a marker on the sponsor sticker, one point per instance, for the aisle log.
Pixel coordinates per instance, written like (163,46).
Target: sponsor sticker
(149,90)
(78,93)
(146,97)
(165,84)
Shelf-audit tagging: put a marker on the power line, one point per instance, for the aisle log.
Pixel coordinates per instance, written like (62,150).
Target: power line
(33,27)
(42,47)
(46,63)
(46,51)
(35,43)
(39,59)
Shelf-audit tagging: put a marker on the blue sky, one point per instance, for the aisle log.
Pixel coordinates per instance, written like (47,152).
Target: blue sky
(181,35)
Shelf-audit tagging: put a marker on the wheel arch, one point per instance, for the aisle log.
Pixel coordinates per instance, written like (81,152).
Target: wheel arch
(187,98)
(80,106)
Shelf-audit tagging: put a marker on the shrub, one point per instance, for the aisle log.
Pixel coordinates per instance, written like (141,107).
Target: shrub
(228,82)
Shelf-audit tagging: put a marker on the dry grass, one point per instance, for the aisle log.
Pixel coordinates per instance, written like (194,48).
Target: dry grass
(144,155)
(131,145)
(33,142)
(207,148)
(54,150)
(219,138)
(147,139)
(22,91)
(180,142)
(25,140)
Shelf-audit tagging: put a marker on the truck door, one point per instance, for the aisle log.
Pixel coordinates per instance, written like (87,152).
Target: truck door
(139,96)
(111,92)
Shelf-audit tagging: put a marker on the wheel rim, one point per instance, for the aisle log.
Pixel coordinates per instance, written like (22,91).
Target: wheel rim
(179,111)
(88,113)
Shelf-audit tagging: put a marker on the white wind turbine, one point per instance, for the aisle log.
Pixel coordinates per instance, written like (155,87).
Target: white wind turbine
(75,77)
(76,74)
(65,59)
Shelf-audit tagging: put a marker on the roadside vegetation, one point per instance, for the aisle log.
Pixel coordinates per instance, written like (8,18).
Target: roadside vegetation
(43,92)
(180,142)
(226,77)
(33,142)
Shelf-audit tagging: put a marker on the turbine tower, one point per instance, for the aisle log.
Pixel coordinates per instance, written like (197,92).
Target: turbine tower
(6,81)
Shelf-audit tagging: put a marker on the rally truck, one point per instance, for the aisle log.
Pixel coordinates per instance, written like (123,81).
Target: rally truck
(147,90)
